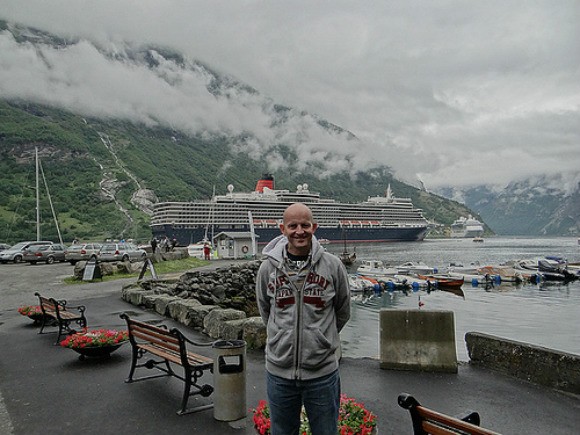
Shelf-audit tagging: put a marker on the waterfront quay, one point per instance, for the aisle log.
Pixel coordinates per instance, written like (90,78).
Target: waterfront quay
(46,389)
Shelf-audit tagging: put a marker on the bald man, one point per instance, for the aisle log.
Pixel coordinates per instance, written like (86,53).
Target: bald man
(304,299)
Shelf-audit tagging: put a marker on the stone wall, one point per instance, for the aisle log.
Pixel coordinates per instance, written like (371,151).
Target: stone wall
(536,364)
(221,302)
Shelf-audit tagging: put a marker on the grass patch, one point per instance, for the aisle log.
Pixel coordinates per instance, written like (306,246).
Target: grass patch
(164,267)
(179,265)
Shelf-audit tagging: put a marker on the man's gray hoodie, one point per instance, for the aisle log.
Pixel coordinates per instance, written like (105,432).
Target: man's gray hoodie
(302,323)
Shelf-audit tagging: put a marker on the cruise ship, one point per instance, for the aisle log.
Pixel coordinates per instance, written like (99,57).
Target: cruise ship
(378,219)
(466,227)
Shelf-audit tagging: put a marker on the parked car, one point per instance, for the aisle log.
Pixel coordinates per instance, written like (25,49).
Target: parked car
(121,252)
(15,252)
(82,252)
(44,253)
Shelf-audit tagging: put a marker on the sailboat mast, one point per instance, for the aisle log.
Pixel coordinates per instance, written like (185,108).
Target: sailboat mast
(39,171)
(37,197)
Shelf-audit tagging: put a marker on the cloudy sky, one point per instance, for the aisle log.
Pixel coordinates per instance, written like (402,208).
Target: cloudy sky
(455,93)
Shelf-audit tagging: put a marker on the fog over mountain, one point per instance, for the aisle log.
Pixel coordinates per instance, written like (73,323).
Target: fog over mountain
(158,87)
(456,94)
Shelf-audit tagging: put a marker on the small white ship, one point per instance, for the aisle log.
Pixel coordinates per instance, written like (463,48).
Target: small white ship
(466,227)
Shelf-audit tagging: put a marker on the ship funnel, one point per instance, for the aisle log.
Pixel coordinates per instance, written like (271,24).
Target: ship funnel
(267,180)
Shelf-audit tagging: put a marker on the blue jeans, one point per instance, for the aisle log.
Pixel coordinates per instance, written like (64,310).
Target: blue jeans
(321,399)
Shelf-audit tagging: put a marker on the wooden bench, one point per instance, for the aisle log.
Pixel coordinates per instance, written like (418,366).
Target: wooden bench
(427,421)
(168,347)
(58,313)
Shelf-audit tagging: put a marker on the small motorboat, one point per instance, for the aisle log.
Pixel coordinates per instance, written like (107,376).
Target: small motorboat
(444,281)
(375,268)
(415,268)
(359,283)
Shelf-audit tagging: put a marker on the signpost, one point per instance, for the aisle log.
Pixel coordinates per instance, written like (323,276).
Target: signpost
(148,265)
(91,270)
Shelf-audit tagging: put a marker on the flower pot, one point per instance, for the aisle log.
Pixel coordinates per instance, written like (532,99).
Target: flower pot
(96,351)
(35,317)
(33,312)
(99,343)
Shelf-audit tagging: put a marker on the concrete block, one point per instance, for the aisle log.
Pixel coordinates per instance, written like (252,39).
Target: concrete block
(417,340)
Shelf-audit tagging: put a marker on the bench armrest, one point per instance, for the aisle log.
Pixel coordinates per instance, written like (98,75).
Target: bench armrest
(81,308)
(65,306)
(194,343)
(469,417)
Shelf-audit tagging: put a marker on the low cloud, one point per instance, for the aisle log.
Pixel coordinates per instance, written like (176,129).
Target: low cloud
(456,93)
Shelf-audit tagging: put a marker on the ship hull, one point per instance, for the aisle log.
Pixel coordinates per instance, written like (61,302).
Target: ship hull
(186,236)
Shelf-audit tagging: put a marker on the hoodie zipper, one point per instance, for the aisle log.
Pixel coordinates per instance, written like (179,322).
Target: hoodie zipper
(299,322)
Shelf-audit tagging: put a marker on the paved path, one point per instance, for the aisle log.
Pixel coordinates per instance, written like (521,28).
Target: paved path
(46,389)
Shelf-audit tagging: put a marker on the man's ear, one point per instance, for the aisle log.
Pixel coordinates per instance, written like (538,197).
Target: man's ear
(281,226)
(314,226)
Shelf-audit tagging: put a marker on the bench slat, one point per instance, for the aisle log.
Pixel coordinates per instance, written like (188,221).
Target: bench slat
(446,420)
(160,342)
(160,333)
(434,429)
(194,359)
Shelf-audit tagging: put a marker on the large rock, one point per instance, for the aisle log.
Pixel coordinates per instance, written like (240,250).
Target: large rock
(135,296)
(254,333)
(179,309)
(162,304)
(106,268)
(150,300)
(197,313)
(230,330)
(213,323)
(126,267)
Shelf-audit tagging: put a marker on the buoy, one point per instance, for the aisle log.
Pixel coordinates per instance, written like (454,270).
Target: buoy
(415,286)
(474,282)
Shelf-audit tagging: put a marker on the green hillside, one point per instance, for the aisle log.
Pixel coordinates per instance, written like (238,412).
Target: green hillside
(78,153)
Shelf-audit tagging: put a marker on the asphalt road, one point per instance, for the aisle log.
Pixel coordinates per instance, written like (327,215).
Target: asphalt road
(18,282)
(46,389)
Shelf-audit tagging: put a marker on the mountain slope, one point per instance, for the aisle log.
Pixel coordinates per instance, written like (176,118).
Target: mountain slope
(192,130)
(534,207)
(95,169)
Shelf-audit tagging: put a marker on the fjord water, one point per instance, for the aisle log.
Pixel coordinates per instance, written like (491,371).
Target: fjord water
(546,314)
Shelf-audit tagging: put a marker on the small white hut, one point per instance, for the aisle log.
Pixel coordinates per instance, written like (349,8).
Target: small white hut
(234,245)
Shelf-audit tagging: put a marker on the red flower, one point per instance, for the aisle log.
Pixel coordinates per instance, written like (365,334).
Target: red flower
(95,338)
(30,310)
(353,418)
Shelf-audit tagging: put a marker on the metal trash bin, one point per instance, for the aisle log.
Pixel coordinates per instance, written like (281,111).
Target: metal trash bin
(229,374)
